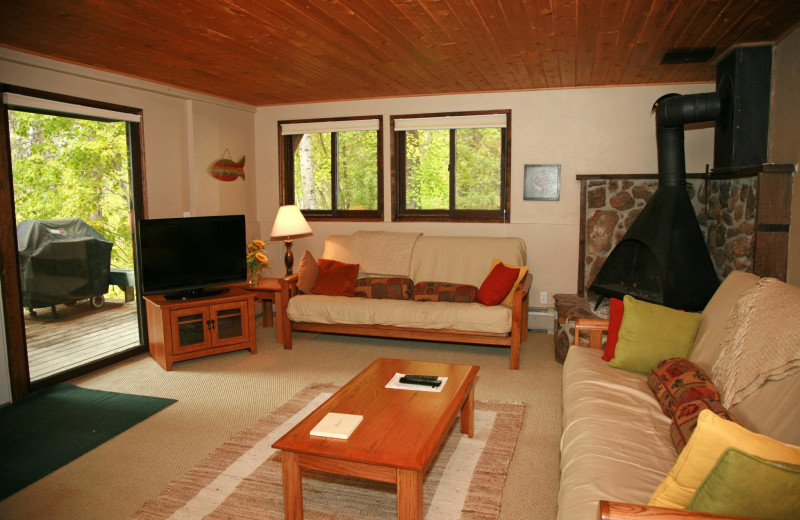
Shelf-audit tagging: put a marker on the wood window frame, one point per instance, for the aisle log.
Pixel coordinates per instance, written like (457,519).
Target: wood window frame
(286,177)
(398,155)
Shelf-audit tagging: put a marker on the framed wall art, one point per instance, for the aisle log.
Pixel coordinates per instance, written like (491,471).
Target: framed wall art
(542,182)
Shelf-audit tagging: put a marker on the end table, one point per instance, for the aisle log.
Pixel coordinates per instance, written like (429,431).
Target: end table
(269,291)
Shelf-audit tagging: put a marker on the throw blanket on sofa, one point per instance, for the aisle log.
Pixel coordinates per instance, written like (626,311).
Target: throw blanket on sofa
(381,252)
(746,361)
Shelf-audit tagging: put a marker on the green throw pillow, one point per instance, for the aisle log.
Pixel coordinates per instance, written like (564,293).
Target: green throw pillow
(745,485)
(651,333)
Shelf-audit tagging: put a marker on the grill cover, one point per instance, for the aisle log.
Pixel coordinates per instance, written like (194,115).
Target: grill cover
(61,260)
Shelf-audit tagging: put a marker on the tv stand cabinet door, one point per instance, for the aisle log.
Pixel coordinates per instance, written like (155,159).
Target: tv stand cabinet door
(229,323)
(191,329)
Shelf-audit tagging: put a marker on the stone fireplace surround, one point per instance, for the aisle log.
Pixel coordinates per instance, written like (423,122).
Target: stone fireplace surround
(743,214)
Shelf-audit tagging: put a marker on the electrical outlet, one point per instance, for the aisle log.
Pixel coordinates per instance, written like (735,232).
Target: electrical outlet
(187,214)
(543,297)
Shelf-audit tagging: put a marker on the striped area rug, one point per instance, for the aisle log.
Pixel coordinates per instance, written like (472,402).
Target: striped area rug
(242,478)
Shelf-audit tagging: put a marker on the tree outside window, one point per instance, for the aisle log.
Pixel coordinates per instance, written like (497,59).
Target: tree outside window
(331,168)
(451,167)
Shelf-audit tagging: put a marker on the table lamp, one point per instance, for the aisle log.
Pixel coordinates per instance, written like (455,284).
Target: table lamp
(289,223)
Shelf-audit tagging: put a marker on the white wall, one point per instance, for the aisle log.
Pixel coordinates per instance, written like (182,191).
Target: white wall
(587,131)
(784,135)
(184,133)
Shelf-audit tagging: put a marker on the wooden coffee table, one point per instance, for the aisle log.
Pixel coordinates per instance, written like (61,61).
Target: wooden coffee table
(397,440)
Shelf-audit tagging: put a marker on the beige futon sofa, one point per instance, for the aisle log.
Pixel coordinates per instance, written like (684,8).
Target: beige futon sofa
(616,445)
(460,260)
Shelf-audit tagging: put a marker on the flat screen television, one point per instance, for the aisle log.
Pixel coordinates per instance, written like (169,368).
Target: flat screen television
(191,257)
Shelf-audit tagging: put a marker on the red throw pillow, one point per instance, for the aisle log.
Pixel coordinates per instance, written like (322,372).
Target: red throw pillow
(497,285)
(336,278)
(614,321)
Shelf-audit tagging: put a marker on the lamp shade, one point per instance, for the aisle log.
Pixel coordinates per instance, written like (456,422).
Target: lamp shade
(290,223)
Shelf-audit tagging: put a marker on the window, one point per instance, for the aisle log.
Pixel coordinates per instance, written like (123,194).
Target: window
(332,168)
(451,167)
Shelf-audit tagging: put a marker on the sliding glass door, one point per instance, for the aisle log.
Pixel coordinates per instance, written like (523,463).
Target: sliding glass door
(74,176)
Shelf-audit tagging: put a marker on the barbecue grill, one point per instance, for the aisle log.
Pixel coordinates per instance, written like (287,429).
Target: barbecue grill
(62,261)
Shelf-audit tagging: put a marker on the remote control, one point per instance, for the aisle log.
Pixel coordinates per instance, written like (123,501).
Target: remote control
(412,379)
(422,378)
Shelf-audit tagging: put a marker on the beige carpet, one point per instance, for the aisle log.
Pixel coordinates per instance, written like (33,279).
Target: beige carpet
(242,478)
(222,395)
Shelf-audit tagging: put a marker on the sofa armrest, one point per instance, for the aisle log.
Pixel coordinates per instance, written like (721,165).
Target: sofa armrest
(289,284)
(595,326)
(622,511)
(519,318)
(523,286)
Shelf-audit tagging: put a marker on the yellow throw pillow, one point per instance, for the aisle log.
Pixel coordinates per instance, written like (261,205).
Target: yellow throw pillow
(709,441)
(508,301)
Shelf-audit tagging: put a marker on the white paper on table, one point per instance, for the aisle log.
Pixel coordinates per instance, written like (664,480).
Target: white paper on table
(397,385)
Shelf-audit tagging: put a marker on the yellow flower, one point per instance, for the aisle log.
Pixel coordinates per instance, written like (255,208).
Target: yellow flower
(262,258)
(258,243)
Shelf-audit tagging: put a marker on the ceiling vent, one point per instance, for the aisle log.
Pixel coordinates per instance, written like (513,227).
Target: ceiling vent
(688,55)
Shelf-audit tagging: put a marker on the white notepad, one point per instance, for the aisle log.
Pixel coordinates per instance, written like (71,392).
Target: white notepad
(337,425)
(395,384)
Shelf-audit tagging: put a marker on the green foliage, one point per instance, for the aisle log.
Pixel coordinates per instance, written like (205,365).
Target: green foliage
(427,169)
(312,172)
(66,167)
(357,171)
(477,169)
(478,163)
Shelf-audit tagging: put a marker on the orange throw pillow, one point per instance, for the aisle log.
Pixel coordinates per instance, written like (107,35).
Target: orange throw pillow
(336,278)
(497,284)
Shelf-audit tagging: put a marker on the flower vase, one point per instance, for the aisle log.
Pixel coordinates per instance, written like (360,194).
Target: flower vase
(255,276)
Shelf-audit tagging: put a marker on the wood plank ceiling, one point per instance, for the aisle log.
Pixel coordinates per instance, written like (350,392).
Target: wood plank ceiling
(268,52)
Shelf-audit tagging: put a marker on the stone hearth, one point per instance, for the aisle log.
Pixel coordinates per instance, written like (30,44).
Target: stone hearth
(726,215)
(743,215)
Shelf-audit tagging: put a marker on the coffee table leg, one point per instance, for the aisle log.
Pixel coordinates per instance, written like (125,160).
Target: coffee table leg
(468,414)
(292,487)
(409,494)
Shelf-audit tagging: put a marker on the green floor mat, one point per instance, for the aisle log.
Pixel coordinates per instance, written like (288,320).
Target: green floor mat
(49,428)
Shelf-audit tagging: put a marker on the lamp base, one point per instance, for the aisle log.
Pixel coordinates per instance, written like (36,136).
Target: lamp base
(289,258)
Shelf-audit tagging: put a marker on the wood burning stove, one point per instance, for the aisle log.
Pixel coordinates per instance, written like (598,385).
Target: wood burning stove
(663,258)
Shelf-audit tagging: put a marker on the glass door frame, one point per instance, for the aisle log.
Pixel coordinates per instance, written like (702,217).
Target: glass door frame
(9,266)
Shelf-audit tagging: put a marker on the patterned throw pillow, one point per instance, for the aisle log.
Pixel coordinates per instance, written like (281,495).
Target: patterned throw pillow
(397,288)
(676,381)
(444,292)
(685,420)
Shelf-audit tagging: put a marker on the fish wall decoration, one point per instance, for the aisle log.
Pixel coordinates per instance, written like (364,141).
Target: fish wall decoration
(227,170)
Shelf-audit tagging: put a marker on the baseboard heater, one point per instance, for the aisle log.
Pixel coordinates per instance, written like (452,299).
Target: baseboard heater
(540,319)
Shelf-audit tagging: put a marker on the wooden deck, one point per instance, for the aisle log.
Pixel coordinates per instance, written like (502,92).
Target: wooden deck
(78,334)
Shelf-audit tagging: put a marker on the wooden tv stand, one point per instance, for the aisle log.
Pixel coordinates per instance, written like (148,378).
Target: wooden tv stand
(189,329)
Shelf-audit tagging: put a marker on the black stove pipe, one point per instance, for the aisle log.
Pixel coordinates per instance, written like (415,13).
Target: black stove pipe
(672,112)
